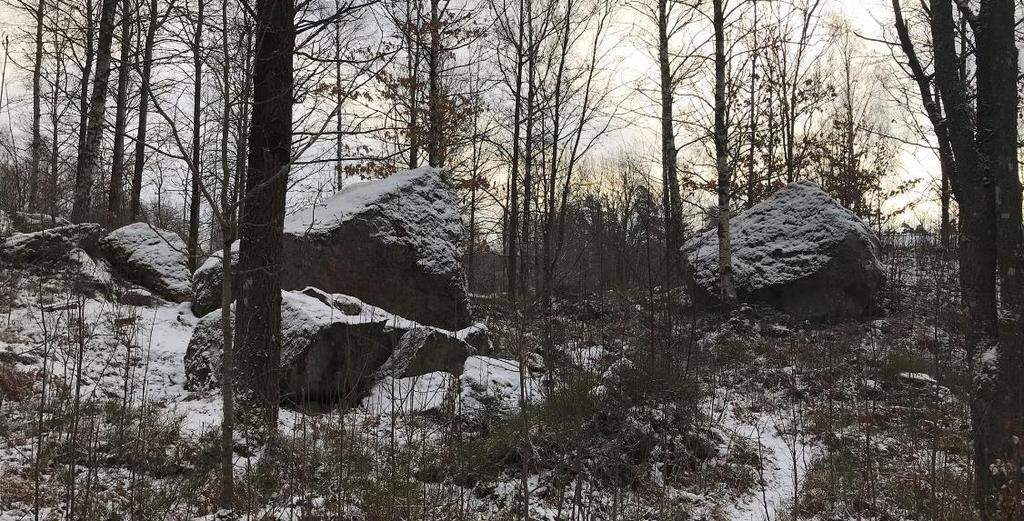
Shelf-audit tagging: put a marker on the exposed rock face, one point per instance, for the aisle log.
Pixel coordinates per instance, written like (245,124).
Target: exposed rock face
(25,222)
(207,280)
(334,348)
(50,246)
(151,257)
(394,243)
(798,250)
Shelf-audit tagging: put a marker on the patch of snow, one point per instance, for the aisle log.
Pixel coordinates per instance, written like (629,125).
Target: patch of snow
(784,459)
(494,382)
(415,394)
(919,377)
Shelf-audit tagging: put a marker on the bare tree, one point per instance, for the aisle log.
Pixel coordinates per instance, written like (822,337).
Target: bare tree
(156,18)
(117,167)
(88,154)
(722,166)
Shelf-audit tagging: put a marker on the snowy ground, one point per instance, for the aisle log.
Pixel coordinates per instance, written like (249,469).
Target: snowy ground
(887,386)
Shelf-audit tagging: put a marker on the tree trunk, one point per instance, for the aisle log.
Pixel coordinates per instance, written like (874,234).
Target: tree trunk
(669,173)
(728,291)
(975,194)
(117,166)
(933,109)
(436,107)
(999,379)
(140,139)
(525,238)
(88,152)
(339,144)
(258,319)
(37,111)
(752,175)
(227,227)
(512,226)
(413,70)
(192,243)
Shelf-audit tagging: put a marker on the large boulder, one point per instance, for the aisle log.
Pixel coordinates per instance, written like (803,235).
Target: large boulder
(334,348)
(155,259)
(798,250)
(396,243)
(49,247)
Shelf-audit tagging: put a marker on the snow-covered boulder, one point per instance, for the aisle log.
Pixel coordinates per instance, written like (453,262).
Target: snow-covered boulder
(421,350)
(207,280)
(91,274)
(487,389)
(26,222)
(798,250)
(396,243)
(151,257)
(491,387)
(334,348)
(423,394)
(49,247)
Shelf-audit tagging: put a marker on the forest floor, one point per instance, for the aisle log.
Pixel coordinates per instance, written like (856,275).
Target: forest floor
(750,417)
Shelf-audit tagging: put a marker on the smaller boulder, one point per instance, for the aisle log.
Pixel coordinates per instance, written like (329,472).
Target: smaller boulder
(49,247)
(424,394)
(151,257)
(477,336)
(490,387)
(91,274)
(26,222)
(334,348)
(421,350)
(207,281)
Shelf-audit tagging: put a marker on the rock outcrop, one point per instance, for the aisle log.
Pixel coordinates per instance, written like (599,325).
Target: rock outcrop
(207,280)
(26,222)
(150,257)
(482,390)
(50,246)
(334,348)
(395,243)
(798,250)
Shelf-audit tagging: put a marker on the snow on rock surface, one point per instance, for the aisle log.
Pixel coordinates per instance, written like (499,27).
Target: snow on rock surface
(394,243)
(798,250)
(492,386)
(50,246)
(410,395)
(25,222)
(334,347)
(207,280)
(152,257)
